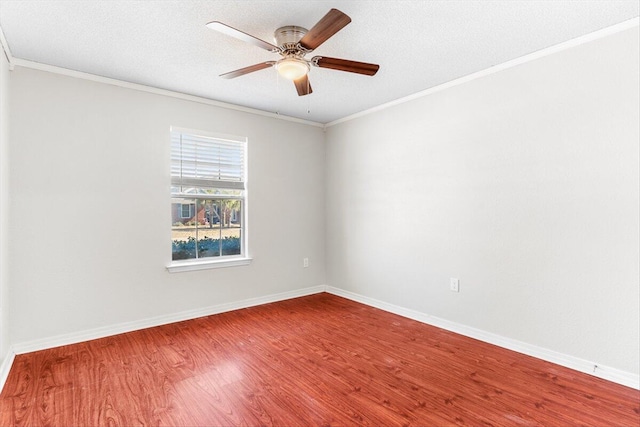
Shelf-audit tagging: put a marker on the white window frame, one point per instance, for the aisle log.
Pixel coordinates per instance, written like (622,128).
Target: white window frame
(190,214)
(219,261)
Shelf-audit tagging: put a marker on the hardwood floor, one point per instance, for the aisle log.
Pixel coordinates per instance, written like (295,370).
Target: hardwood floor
(312,361)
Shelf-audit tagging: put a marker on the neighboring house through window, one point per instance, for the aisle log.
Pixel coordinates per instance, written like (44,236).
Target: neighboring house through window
(208,199)
(186,210)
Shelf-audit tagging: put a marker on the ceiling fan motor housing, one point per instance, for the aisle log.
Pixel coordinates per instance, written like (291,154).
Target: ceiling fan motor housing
(287,38)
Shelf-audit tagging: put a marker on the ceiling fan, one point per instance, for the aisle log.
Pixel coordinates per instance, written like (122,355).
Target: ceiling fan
(292,44)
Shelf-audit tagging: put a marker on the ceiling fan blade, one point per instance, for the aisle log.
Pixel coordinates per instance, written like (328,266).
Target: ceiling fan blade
(230,31)
(345,65)
(247,70)
(303,86)
(330,24)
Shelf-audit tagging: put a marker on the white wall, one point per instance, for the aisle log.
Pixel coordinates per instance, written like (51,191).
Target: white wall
(90,207)
(4,207)
(523,184)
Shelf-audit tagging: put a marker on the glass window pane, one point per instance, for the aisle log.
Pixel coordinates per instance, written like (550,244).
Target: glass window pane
(231,210)
(205,228)
(208,228)
(183,229)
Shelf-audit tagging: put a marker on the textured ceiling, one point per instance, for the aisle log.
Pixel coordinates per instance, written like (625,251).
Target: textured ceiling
(418,44)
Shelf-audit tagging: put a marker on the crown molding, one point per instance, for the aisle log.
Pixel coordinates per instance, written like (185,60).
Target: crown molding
(150,89)
(6,50)
(625,25)
(596,35)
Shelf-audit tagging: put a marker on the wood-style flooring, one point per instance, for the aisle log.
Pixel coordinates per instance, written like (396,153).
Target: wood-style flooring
(313,361)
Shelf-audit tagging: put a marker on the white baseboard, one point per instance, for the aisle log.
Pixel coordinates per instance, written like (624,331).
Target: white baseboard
(5,367)
(596,369)
(581,365)
(76,337)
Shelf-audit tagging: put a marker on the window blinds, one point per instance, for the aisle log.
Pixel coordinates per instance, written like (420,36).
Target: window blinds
(206,162)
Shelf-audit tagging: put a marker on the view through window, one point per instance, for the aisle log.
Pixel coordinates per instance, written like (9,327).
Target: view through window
(207,195)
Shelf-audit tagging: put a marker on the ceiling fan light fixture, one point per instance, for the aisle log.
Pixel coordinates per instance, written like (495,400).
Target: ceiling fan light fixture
(292,68)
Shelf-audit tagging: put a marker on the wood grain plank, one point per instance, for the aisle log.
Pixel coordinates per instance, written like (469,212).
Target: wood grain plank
(317,360)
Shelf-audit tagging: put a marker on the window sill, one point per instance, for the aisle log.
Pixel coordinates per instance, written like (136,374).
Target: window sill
(180,266)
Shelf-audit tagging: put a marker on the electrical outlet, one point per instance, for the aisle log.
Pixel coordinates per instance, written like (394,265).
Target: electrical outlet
(454,285)
(305,262)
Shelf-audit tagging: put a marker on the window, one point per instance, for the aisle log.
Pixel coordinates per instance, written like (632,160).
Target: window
(208,199)
(186,211)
